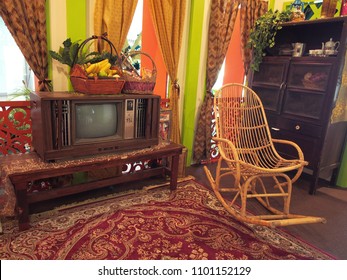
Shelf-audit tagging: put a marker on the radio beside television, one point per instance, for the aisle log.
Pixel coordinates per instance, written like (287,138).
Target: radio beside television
(72,125)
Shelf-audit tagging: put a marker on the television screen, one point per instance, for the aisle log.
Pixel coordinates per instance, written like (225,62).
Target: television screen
(96,120)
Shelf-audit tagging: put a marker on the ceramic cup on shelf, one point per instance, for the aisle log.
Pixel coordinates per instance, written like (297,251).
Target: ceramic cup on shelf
(330,52)
(319,52)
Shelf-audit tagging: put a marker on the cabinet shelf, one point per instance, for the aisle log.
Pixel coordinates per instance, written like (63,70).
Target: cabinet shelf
(311,32)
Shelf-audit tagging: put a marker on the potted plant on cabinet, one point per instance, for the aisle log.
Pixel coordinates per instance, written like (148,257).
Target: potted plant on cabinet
(263,34)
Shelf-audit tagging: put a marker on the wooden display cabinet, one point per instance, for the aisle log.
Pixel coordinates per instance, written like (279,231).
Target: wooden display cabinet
(299,94)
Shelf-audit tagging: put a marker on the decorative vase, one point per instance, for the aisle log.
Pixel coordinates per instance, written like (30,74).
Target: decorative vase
(297,8)
(328,8)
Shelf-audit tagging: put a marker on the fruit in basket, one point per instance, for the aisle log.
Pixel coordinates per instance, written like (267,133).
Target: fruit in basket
(95,67)
(102,73)
(101,69)
(90,68)
(105,68)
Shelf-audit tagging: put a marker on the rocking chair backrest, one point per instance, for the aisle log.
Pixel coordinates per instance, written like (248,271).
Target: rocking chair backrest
(240,118)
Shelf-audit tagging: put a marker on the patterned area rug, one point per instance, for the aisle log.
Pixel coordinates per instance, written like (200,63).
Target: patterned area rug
(188,223)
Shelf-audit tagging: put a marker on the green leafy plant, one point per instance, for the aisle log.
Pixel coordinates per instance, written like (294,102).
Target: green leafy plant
(71,54)
(263,34)
(66,54)
(24,91)
(21,92)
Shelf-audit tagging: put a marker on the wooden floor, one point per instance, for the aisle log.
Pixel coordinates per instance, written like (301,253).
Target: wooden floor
(329,202)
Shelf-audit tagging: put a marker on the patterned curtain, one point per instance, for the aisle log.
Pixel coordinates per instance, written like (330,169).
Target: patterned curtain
(221,25)
(114,17)
(339,113)
(168,18)
(26,21)
(251,10)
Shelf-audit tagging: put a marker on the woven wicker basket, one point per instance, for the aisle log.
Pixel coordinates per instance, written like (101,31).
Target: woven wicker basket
(136,83)
(96,85)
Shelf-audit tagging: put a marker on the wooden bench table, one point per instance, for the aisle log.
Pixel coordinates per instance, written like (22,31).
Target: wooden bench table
(19,170)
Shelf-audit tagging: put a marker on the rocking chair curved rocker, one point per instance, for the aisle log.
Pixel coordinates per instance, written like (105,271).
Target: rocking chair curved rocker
(248,155)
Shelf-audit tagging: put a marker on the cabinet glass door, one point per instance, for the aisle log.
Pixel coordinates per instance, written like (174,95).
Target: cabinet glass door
(309,76)
(270,97)
(272,71)
(305,104)
(268,82)
(307,88)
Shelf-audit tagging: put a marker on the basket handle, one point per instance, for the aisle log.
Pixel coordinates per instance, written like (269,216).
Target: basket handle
(127,63)
(101,38)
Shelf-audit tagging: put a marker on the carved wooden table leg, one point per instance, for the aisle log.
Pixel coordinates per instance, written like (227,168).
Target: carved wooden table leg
(174,171)
(22,206)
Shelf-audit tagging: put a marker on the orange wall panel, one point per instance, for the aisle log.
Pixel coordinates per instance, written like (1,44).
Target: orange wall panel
(150,46)
(234,72)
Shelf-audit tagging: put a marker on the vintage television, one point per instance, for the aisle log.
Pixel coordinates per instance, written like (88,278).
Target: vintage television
(72,125)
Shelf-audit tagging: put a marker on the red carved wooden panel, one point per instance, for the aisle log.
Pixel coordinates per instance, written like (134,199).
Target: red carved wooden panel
(15,127)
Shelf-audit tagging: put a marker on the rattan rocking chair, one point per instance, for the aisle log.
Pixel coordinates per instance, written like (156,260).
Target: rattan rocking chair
(248,155)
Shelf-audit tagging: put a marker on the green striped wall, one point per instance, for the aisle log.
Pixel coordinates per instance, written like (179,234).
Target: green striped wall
(342,176)
(76,19)
(76,22)
(65,19)
(193,73)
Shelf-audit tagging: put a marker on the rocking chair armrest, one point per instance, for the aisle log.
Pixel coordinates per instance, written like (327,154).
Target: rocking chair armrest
(231,146)
(293,144)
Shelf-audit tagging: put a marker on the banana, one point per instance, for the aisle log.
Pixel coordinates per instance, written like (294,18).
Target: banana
(106,67)
(97,67)
(91,68)
(113,71)
(102,63)
(101,69)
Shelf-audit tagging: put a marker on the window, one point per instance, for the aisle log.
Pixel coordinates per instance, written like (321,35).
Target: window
(219,82)
(134,37)
(134,34)
(15,74)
